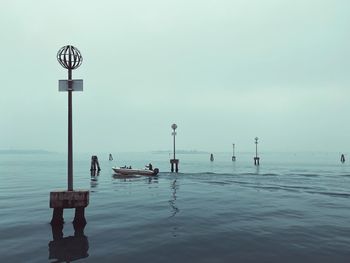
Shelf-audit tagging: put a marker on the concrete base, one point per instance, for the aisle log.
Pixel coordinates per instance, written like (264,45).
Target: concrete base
(60,200)
(256,161)
(174,162)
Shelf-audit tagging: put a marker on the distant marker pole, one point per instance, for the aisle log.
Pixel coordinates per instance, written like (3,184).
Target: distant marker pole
(69,58)
(174,161)
(256,158)
(233,152)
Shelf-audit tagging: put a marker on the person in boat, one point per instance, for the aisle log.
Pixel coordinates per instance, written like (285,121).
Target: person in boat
(149,166)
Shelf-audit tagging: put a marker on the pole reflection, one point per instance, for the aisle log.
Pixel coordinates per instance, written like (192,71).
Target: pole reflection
(172,201)
(67,249)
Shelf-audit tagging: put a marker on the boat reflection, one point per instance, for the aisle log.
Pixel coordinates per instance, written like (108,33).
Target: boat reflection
(124,178)
(152,180)
(67,249)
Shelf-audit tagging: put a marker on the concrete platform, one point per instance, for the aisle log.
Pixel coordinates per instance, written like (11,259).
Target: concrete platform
(69,199)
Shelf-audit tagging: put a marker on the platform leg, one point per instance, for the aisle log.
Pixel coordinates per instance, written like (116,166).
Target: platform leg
(57,217)
(79,218)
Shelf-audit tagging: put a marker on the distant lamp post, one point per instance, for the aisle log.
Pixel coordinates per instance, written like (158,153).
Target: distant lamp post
(233,152)
(70,58)
(174,161)
(256,158)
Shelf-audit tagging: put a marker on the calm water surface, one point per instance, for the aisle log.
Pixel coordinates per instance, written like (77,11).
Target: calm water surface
(293,208)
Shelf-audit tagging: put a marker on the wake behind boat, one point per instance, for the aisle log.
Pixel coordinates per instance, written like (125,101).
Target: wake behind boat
(131,171)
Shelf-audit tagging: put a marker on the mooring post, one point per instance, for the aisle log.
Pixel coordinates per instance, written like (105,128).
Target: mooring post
(174,161)
(70,58)
(94,164)
(256,158)
(211,157)
(342,158)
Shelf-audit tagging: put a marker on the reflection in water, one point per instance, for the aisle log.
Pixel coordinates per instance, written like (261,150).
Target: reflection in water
(257,169)
(153,179)
(94,178)
(172,201)
(125,177)
(67,249)
(174,208)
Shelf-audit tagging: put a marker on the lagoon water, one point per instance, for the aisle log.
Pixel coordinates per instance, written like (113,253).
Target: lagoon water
(293,208)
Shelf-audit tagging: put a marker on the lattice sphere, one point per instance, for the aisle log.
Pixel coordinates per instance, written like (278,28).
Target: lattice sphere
(69,57)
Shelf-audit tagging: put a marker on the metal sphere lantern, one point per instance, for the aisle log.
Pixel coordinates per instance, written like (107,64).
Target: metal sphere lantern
(69,57)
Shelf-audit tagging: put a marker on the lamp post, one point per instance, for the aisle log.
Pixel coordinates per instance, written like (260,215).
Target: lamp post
(233,152)
(174,126)
(256,158)
(69,58)
(174,161)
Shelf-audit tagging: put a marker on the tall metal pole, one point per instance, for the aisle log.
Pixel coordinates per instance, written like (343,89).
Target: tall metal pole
(256,147)
(174,143)
(70,135)
(233,149)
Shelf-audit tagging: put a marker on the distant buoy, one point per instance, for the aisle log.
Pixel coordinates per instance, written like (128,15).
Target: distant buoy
(342,158)
(110,157)
(211,157)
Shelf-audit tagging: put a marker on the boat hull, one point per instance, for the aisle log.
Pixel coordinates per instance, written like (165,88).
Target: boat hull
(127,171)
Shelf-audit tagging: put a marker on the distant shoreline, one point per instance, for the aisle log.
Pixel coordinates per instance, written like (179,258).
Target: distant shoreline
(25,152)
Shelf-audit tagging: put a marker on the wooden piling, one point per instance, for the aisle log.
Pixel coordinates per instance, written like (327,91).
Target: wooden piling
(211,157)
(94,164)
(342,158)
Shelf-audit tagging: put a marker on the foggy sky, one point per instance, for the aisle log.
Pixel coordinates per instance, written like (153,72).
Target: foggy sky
(225,71)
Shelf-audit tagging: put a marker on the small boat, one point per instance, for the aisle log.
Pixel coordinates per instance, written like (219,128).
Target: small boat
(131,171)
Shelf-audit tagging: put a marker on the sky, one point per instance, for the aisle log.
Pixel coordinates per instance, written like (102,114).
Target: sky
(225,71)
